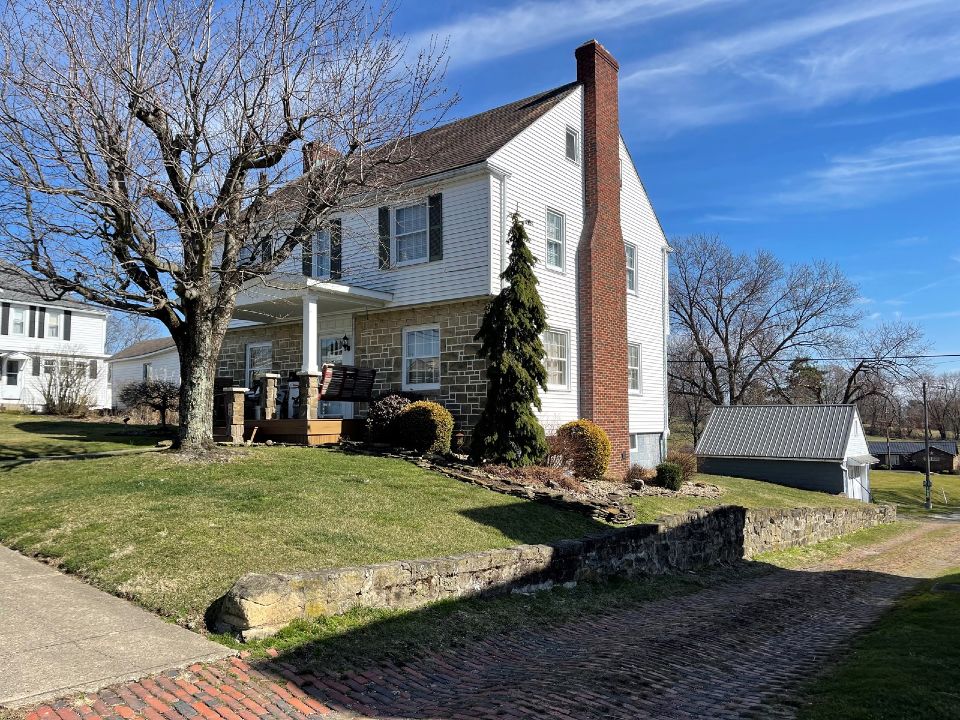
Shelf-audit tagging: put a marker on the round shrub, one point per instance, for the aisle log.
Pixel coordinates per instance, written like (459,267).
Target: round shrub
(586,448)
(670,476)
(381,414)
(424,426)
(686,461)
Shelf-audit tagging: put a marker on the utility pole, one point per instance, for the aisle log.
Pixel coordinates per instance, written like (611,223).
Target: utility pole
(927,485)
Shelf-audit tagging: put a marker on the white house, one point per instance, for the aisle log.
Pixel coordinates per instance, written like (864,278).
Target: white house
(154,359)
(402,287)
(39,338)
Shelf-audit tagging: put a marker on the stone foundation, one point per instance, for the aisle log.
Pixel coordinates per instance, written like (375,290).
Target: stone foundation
(260,605)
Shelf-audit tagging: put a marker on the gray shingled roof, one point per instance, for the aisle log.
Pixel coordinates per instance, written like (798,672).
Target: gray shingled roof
(14,286)
(804,432)
(144,347)
(901,447)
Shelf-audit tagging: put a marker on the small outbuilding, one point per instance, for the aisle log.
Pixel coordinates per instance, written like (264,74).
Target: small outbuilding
(905,455)
(811,447)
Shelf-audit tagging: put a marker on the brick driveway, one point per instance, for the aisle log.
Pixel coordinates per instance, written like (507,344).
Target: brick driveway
(730,651)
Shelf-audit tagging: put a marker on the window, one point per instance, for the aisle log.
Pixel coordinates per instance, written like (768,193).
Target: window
(573,145)
(556,343)
(18,321)
(54,319)
(410,234)
(634,366)
(631,252)
(13,372)
(50,366)
(148,371)
(321,255)
(259,361)
(421,358)
(555,240)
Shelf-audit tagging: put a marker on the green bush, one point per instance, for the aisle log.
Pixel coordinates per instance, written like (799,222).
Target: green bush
(686,461)
(383,411)
(670,476)
(424,426)
(585,447)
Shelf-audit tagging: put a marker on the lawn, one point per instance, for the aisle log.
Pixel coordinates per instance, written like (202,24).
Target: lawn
(736,491)
(175,535)
(907,666)
(905,489)
(30,436)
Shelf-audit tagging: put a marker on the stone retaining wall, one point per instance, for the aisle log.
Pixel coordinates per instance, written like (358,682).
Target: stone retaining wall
(260,605)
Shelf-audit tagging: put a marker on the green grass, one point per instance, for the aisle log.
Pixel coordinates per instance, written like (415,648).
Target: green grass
(175,535)
(828,550)
(30,436)
(905,489)
(736,491)
(907,666)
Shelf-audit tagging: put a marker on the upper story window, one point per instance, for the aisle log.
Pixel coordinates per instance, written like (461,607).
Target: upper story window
(556,344)
(573,145)
(54,322)
(321,254)
(634,368)
(410,234)
(421,358)
(631,253)
(18,320)
(555,240)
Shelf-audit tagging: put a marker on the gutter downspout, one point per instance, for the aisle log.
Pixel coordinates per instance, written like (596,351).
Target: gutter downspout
(502,176)
(665,320)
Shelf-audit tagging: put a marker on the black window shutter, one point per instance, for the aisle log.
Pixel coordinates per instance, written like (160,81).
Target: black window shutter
(306,255)
(37,362)
(336,249)
(436,227)
(383,247)
(32,332)
(5,318)
(41,322)
(93,369)
(67,317)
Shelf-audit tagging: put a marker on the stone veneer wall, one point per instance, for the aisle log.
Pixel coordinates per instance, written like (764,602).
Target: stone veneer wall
(287,339)
(260,605)
(463,385)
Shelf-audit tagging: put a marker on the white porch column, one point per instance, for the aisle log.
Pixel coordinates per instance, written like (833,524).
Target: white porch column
(310,335)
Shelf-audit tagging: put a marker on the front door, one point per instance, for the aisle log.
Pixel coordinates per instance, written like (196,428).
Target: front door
(12,380)
(333,352)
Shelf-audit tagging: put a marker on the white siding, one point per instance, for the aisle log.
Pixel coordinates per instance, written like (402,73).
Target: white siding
(857,443)
(645,309)
(540,178)
(165,365)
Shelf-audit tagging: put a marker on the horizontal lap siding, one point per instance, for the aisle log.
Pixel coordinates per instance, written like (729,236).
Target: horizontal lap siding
(822,476)
(541,177)
(166,366)
(87,337)
(645,310)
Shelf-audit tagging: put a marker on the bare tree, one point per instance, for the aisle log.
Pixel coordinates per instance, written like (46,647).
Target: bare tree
(885,356)
(687,403)
(126,329)
(67,385)
(143,145)
(745,313)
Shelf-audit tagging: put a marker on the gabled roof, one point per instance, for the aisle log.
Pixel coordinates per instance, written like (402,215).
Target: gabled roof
(801,432)
(17,288)
(144,347)
(901,447)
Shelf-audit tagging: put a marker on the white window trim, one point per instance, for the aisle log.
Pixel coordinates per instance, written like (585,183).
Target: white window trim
(635,290)
(561,268)
(315,258)
(246,365)
(403,370)
(566,335)
(394,245)
(50,315)
(578,149)
(26,320)
(639,390)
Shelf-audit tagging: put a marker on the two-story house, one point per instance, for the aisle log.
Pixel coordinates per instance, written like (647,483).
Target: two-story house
(401,287)
(40,338)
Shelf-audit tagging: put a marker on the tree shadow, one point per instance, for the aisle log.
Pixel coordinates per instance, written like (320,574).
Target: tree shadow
(535,522)
(69,437)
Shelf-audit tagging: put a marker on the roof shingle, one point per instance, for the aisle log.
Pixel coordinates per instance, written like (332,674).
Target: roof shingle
(144,347)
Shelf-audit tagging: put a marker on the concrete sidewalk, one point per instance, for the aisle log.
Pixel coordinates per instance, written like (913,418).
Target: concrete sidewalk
(59,635)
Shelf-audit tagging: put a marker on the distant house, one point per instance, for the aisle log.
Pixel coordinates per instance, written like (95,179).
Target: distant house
(42,339)
(900,455)
(812,447)
(155,359)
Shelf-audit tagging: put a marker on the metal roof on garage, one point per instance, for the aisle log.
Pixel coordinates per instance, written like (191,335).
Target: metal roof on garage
(797,432)
(902,447)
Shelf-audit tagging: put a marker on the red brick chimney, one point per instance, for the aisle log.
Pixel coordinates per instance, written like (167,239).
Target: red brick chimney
(602,274)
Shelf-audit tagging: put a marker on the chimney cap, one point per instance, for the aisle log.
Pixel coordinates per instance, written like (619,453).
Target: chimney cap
(598,50)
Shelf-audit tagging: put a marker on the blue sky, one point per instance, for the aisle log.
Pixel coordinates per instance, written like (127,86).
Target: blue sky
(814,129)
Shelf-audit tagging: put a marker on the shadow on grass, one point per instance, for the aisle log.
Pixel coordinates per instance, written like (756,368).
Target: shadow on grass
(530,522)
(74,437)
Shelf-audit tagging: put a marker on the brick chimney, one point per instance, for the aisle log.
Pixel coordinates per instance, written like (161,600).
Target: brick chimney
(601,263)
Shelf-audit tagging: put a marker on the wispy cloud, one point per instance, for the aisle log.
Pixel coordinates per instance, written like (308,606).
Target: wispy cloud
(882,117)
(893,168)
(911,241)
(497,33)
(852,50)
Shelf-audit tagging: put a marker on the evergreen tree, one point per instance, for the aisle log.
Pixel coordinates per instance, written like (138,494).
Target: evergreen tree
(508,432)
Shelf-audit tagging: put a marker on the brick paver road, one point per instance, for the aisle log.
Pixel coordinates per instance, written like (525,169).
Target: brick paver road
(730,651)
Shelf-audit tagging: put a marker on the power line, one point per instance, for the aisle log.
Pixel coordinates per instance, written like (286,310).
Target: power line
(839,359)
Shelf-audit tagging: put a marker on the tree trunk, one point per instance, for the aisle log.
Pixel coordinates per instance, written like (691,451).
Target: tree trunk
(199,351)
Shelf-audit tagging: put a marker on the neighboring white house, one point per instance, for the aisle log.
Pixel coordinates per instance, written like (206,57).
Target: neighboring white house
(401,288)
(39,338)
(155,359)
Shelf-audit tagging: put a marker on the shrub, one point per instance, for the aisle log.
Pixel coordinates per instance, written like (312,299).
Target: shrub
(427,427)
(381,414)
(538,475)
(670,476)
(586,447)
(687,462)
(163,396)
(638,473)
